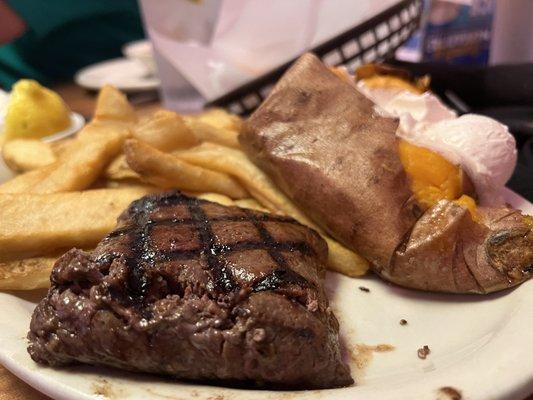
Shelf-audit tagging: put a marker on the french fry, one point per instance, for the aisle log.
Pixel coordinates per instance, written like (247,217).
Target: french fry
(216,198)
(60,147)
(208,133)
(226,201)
(167,171)
(26,181)
(77,170)
(94,147)
(221,119)
(164,130)
(128,184)
(84,163)
(250,203)
(119,169)
(112,105)
(26,274)
(36,224)
(23,155)
(343,260)
(236,163)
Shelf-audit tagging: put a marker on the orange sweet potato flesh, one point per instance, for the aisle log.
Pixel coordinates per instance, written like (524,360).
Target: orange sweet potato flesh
(433,178)
(324,145)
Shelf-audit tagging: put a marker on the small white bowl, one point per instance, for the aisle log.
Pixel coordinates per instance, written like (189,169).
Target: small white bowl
(76,123)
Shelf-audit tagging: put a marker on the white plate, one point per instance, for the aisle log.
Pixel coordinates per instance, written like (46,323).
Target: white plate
(125,74)
(480,345)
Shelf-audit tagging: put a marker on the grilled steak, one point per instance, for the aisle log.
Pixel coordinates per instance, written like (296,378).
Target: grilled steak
(197,290)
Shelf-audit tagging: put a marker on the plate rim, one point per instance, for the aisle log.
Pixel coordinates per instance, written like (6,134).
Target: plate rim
(152,83)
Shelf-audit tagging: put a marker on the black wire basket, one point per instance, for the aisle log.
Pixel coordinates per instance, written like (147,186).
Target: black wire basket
(374,40)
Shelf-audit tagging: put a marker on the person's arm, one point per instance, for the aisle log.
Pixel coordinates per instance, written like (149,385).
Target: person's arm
(12,25)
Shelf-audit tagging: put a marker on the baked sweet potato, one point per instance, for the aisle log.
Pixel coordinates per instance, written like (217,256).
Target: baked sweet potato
(324,145)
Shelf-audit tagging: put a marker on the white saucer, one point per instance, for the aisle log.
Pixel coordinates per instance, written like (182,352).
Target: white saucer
(125,74)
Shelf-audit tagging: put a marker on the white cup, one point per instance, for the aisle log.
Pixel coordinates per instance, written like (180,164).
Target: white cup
(142,52)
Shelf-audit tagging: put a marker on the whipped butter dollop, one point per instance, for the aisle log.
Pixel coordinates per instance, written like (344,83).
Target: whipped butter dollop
(482,146)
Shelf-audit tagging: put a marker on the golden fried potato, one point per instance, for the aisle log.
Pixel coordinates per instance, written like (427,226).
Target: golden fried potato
(221,119)
(208,133)
(84,162)
(60,147)
(168,171)
(216,198)
(87,155)
(26,181)
(35,224)
(226,201)
(343,260)
(26,274)
(23,155)
(164,130)
(250,203)
(77,170)
(113,105)
(236,163)
(119,169)
(128,184)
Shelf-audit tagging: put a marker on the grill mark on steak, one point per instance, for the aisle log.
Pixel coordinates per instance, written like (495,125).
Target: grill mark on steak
(302,247)
(280,277)
(222,276)
(283,275)
(191,221)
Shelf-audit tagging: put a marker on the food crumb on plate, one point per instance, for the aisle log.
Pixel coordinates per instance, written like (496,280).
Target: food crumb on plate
(449,393)
(403,322)
(423,352)
(364,289)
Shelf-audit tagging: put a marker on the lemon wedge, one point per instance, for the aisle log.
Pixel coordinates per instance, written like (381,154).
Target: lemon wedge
(34,112)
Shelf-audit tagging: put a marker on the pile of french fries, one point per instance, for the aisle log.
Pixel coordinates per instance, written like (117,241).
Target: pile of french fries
(69,193)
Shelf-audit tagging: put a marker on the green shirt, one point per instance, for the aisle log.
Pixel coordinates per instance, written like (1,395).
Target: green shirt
(66,35)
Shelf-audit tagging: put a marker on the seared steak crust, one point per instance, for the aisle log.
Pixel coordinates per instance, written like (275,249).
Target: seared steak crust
(197,290)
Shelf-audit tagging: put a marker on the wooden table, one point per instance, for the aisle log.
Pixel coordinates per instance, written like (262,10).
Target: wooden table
(12,388)
(83,102)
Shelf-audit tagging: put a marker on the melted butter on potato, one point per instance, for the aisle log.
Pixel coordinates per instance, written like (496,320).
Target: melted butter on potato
(433,178)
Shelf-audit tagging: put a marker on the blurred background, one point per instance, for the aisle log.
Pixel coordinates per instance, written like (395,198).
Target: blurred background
(191,53)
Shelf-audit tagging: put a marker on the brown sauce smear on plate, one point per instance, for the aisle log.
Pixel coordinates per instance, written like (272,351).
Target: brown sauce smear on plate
(362,354)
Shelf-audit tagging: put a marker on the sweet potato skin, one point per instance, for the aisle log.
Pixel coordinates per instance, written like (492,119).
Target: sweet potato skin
(448,252)
(326,148)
